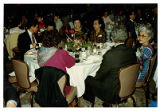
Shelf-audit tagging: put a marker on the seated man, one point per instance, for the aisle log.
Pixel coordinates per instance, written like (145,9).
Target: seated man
(27,40)
(105,84)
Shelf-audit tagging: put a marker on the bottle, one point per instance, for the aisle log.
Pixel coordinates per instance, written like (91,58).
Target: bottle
(94,49)
(37,46)
(84,54)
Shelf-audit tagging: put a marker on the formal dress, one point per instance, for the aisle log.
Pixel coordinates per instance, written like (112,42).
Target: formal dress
(99,38)
(105,85)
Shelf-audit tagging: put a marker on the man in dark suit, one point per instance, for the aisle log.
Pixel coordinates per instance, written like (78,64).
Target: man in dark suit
(105,84)
(131,28)
(27,40)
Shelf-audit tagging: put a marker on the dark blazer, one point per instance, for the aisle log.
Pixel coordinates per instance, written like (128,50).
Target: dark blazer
(49,93)
(24,41)
(105,84)
(9,92)
(131,29)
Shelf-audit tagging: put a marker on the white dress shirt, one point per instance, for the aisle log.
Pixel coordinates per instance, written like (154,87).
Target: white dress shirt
(30,35)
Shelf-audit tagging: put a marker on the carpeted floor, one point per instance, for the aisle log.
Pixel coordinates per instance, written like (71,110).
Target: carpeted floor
(139,96)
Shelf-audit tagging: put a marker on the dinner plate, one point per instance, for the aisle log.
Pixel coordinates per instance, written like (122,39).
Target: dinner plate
(29,53)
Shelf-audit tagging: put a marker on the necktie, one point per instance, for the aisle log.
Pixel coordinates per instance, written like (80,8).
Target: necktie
(33,40)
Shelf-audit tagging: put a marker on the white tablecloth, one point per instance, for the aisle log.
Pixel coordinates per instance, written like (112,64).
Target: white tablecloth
(155,77)
(78,73)
(32,62)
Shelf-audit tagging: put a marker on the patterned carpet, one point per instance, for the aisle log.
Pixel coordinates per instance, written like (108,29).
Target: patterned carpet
(139,97)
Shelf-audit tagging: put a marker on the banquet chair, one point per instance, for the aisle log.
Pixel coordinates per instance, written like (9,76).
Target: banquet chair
(129,42)
(44,76)
(22,76)
(127,79)
(12,79)
(72,93)
(11,42)
(145,83)
(17,54)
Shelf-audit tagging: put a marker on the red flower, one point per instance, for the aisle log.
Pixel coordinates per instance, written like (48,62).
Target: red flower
(66,31)
(71,31)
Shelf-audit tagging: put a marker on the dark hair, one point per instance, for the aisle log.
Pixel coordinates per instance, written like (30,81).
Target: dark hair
(57,13)
(76,18)
(50,39)
(49,21)
(130,12)
(32,22)
(100,21)
(18,20)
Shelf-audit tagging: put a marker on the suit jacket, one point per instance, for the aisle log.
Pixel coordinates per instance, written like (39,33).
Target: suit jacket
(24,41)
(105,84)
(131,29)
(9,92)
(49,93)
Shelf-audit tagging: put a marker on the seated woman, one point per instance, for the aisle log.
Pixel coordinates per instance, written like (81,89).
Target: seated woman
(98,34)
(80,33)
(50,55)
(105,85)
(145,52)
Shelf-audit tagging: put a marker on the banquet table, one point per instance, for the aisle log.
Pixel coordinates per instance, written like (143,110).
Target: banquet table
(77,73)
(32,62)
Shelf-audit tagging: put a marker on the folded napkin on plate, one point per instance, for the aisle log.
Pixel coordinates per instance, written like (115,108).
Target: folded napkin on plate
(12,74)
(31,52)
(94,58)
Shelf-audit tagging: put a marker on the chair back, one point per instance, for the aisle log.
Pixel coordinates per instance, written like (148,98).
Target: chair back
(22,73)
(62,83)
(127,78)
(11,42)
(151,65)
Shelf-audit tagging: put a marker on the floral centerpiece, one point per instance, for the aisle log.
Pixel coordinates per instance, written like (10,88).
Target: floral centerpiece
(73,43)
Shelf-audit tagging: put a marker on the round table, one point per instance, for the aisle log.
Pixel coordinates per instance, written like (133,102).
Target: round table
(78,73)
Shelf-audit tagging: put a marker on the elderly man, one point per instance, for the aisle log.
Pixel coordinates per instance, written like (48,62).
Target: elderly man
(105,84)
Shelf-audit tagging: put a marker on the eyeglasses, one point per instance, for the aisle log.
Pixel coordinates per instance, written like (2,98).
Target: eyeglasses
(143,36)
